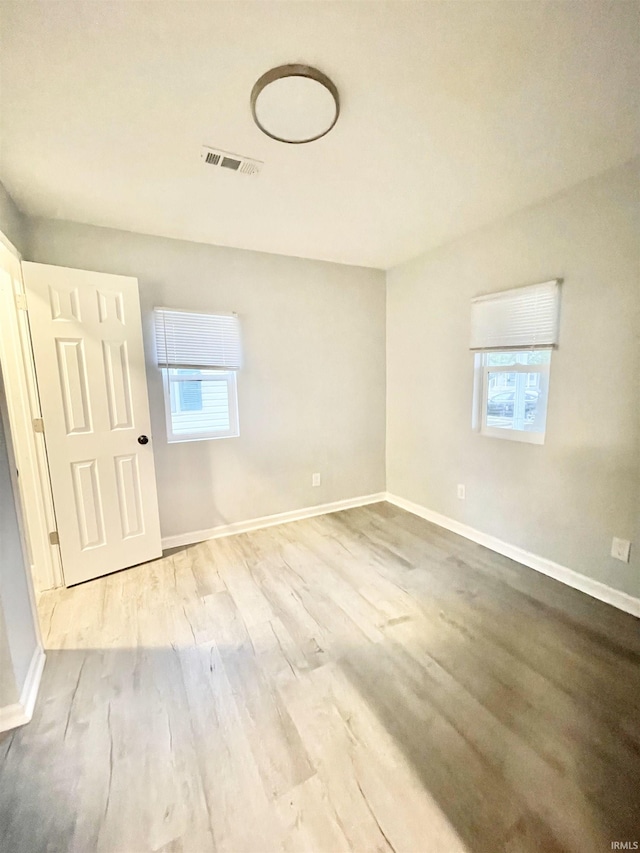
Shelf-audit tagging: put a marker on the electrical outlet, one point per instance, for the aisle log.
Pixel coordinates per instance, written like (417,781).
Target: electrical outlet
(461,492)
(315,479)
(620,549)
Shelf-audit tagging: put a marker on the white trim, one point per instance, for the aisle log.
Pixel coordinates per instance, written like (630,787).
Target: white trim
(520,435)
(6,242)
(21,712)
(194,311)
(594,588)
(22,403)
(268,521)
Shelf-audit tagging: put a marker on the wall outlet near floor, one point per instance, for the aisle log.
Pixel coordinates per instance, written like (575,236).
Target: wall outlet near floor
(620,549)
(461,492)
(315,479)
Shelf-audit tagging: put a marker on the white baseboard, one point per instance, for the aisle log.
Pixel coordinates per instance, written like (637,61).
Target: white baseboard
(621,600)
(21,712)
(615,597)
(267,521)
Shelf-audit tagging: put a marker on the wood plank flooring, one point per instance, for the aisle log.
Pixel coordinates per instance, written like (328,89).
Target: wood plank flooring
(359,681)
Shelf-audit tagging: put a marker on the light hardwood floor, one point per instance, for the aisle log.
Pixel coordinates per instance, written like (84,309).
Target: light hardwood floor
(359,681)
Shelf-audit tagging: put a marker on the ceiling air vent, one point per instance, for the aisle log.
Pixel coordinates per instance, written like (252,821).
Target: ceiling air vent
(232,162)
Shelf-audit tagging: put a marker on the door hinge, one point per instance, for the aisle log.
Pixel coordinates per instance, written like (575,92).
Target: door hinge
(21,301)
(54,539)
(38,425)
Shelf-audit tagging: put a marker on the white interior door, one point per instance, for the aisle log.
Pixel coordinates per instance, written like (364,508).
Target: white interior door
(87,345)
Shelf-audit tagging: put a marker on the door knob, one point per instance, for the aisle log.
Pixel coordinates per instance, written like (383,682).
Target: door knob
(143,439)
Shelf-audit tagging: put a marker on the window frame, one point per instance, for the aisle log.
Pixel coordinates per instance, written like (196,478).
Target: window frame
(232,396)
(481,396)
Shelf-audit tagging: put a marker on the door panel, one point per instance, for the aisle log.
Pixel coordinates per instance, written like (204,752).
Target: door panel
(87,342)
(72,372)
(65,303)
(116,369)
(110,306)
(88,503)
(130,495)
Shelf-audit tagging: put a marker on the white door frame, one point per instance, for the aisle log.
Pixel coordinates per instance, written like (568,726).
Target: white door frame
(23,407)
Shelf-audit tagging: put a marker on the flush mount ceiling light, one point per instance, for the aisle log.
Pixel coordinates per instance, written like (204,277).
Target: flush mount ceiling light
(295,104)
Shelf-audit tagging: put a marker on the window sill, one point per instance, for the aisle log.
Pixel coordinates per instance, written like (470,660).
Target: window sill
(513,435)
(202,438)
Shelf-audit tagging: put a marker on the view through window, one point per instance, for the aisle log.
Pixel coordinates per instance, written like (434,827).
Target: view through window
(514,391)
(202,404)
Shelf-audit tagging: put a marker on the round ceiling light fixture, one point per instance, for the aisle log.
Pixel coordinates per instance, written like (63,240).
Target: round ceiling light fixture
(295,104)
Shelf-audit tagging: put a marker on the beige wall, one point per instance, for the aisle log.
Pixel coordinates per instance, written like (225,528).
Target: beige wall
(311,394)
(564,500)
(13,224)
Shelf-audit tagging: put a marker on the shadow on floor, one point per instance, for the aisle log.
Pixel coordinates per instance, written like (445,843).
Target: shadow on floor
(509,771)
(134,749)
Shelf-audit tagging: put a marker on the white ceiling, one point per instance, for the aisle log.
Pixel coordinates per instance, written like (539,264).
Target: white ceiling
(453,114)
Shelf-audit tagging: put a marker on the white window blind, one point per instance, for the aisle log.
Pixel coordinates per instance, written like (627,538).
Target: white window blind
(187,339)
(521,318)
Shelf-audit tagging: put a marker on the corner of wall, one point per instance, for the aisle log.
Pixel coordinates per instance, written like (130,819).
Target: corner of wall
(13,222)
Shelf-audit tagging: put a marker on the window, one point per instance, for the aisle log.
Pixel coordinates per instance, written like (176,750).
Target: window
(200,404)
(199,355)
(514,393)
(513,334)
